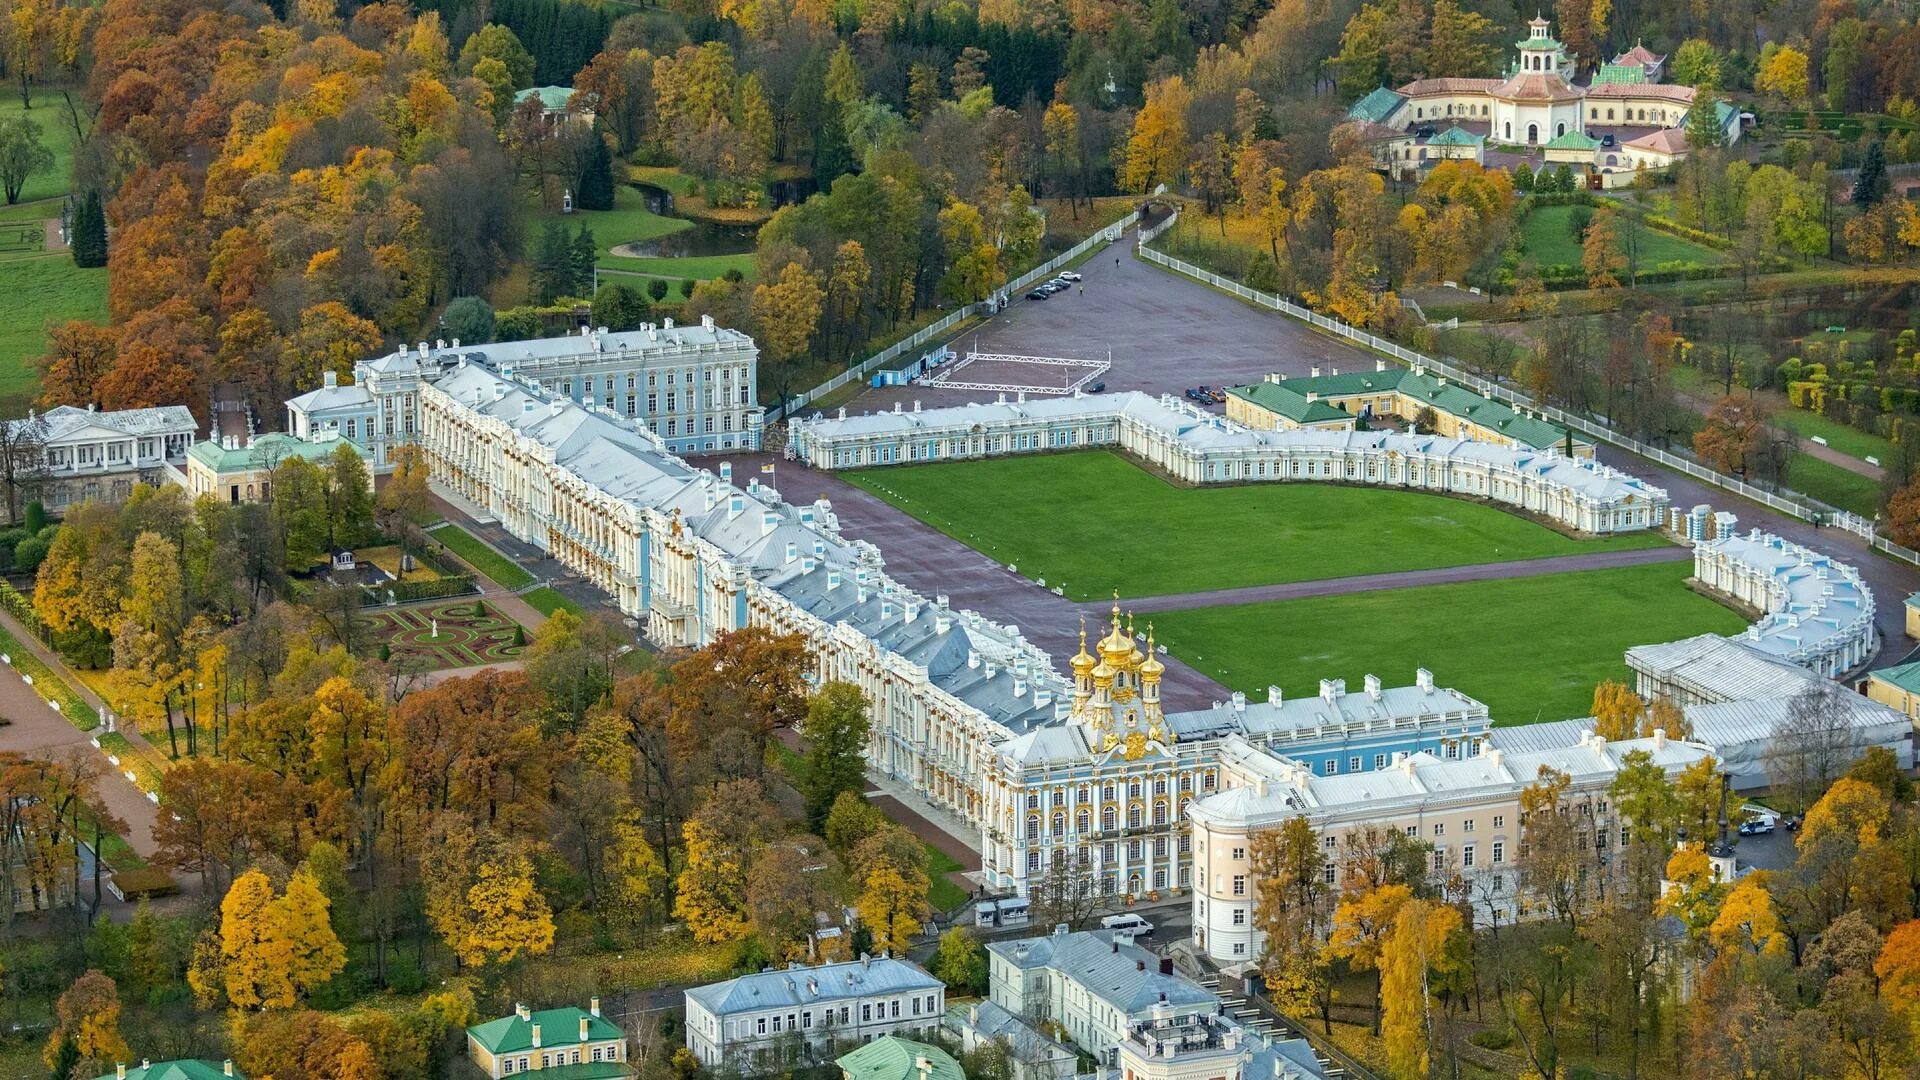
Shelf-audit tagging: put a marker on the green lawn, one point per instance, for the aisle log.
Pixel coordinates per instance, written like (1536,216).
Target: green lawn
(1530,648)
(1548,238)
(1097,522)
(546,600)
(1845,439)
(41,290)
(628,222)
(1832,484)
(942,893)
(681,268)
(56,134)
(475,553)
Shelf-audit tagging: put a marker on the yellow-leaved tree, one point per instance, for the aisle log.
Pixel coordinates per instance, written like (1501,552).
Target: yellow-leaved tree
(274,948)
(89,1021)
(482,900)
(1360,927)
(891,906)
(1618,712)
(1748,920)
(1416,948)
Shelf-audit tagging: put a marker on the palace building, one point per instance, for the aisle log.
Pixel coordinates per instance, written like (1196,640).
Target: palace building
(1619,121)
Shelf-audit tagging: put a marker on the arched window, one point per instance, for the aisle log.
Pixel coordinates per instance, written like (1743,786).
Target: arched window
(1059,824)
(1107,819)
(1509,135)
(1033,826)
(1106,793)
(1160,812)
(1609,114)
(1560,129)
(1081,820)
(1533,134)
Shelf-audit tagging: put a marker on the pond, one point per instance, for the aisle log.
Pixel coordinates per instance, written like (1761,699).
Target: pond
(703,238)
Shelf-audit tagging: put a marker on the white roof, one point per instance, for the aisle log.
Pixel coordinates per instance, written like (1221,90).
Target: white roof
(65,420)
(801,985)
(1821,598)
(1724,669)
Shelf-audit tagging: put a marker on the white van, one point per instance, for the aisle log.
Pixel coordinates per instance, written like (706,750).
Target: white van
(1133,926)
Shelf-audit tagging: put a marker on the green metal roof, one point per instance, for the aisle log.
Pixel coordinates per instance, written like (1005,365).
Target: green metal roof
(894,1058)
(1620,75)
(1904,676)
(1573,140)
(274,446)
(1376,106)
(1444,396)
(1914,600)
(1292,404)
(1456,136)
(558,1028)
(552,98)
(1534,44)
(177,1070)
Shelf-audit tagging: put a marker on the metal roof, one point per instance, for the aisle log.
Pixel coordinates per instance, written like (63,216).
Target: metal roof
(798,984)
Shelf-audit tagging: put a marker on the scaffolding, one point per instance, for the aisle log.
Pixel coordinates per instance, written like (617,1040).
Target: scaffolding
(1078,374)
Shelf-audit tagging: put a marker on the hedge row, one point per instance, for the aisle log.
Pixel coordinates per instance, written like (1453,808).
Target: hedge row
(406,592)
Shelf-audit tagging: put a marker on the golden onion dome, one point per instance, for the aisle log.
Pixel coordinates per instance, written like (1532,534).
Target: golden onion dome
(1152,668)
(1102,673)
(1116,647)
(1082,662)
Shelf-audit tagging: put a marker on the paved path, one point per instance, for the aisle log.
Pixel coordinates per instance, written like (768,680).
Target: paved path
(1404,579)
(37,729)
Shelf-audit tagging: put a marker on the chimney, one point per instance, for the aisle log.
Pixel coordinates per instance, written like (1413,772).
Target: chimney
(833,580)
(1379,365)
(1273,695)
(1331,689)
(806,566)
(1239,701)
(557,405)
(330,378)
(735,504)
(769,521)
(726,471)
(120,1071)
(1424,680)
(1139,965)
(1373,687)
(536,1036)
(1166,965)
(1659,738)
(923,1067)
(585,1023)
(1494,758)
(226,1067)
(520,1011)
(1315,369)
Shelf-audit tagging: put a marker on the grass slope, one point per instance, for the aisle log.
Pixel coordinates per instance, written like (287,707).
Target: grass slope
(628,222)
(477,554)
(1530,648)
(1097,522)
(1548,238)
(1839,436)
(41,290)
(1832,484)
(680,268)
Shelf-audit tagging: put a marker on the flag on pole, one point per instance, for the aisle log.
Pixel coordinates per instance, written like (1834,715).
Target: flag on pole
(767,468)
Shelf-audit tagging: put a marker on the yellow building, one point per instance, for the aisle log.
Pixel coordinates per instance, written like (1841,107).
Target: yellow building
(1913,616)
(1898,687)
(581,1041)
(236,473)
(1337,401)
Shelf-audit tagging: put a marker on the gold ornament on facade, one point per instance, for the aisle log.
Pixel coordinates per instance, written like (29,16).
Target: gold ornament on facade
(1136,746)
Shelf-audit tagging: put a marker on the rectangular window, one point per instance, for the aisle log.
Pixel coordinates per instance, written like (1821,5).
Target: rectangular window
(760,1026)
(1239,853)
(896,1010)
(1239,916)
(1353,763)
(1466,857)
(1379,761)
(1499,853)
(1439,828)
(1467,825)
(1499,821)
(866,1012)
(1413,830)
(1239,884)
(1329,766)
(1328,874)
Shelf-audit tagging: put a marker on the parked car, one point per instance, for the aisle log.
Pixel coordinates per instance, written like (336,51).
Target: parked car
(1096,388)
(1792,822)
(1218,397)
(1606,140)
(1130,925)
(1424,133)
(1068,275)
(1757,827)
(1038,294)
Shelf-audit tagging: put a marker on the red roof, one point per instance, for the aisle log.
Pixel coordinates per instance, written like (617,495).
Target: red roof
(1639,54)
(1678,95)
(1536,86)
(1435,87)
(1669,141)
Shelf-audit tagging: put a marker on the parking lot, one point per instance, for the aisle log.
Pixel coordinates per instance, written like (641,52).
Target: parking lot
(1163,333)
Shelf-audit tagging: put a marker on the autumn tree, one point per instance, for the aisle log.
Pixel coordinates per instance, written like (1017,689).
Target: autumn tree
(1291,901)
(88,1026)
(1601,255)
(276,948)
(891,906)
(1360,927)
(721,836)
(1157,148)
(1783,73)
(1618,712)
(960,962)
(482,899)
(788,314)
(1420,944)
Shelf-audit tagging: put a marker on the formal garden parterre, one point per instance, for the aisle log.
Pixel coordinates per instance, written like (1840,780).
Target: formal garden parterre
(465,633)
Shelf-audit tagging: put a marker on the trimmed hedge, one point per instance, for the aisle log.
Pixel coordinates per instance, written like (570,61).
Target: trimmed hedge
(406,592)
(49,685)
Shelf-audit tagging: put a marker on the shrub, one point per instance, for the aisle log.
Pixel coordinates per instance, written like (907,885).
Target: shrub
(1491,1039)
(28,554)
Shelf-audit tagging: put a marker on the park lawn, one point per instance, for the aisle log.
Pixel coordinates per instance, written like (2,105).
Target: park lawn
(628,222)
(476,553)
(1548,239)
(1839,436)
(681,268)
(1094,522)
(546,600)
(56,134)
(1530,648)
(1834,485)
(42,290)
(942,893)
(664,176)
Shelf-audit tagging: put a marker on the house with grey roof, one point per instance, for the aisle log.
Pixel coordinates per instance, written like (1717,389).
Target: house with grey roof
(795,1014)
(1094,985)
(87,454)
(1032,1054)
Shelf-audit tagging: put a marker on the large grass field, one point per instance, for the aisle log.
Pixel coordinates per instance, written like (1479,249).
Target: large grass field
(628,222)
(56,134)
(41,290)
(1530,648)
(1845,439)
(1096,522)
(681,267)
(1547,235)
(1834,485)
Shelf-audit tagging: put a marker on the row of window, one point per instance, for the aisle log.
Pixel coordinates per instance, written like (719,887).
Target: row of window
(870,1011)
(554,1058)
(1084,793)
(1109,852)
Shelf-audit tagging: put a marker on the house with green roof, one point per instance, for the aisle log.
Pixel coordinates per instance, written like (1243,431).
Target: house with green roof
(559,1044)
(1377,107)
(1324,401)
(237,471)
(556,104)
(1897,687)
(893,1058)
(174,1070)
(1913,615)
(1458,144)
(1573,148)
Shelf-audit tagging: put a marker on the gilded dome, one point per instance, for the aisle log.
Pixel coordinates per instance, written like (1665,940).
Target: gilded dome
(1116,647)
(1082,662)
